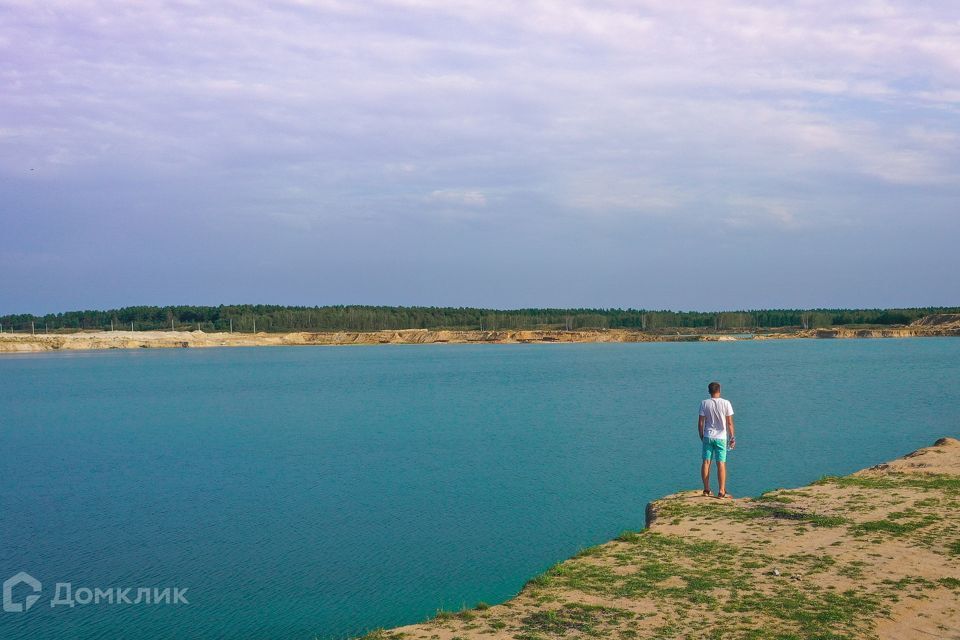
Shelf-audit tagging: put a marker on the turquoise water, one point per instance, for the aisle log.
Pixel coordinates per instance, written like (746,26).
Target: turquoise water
(314,491)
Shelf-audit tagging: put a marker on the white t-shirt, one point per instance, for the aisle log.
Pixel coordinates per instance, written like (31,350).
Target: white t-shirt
(715,410)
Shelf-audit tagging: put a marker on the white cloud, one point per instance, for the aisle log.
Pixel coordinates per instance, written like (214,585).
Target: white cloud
(746,211)
(466,198)
(639,106)
(603,192)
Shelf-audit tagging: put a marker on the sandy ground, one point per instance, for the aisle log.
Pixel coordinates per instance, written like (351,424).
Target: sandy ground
(24,342)
(175,339)
(872,555)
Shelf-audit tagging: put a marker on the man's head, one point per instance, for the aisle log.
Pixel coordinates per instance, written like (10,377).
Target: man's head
(714,388)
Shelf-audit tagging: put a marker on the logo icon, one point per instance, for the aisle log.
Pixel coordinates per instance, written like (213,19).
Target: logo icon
(21,578)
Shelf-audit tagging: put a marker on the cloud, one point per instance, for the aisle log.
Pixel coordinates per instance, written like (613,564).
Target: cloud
(784,117)
(602,192)
(750,211)
(466,198)
(546,84)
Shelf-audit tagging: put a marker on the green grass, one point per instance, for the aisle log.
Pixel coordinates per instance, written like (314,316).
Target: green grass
(780,513)
(811,563)
(944,482)
(816,614)
(770,497)
(590,551)
(902,585)
(382,634)
(892,526)
(583,618)
(950,583)
(542,580)
(718,577)
(853,569)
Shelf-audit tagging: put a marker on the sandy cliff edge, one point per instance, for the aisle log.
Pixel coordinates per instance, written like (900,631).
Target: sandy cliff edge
(875,554)
(88,340)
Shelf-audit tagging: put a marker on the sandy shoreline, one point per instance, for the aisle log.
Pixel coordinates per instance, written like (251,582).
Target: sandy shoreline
(875,554)
(24,342)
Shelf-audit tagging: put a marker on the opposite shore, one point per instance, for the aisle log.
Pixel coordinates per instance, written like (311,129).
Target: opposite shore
(86,340)
(875,554)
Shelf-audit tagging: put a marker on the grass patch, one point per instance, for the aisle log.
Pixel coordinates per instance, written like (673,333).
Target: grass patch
(815,519)
(770,496)
(382,634)
(587,619)
(853,570)
(815,614)
(902,585)
(711,575)
(950,583)
(947,483)
(893,527)
(810,562)
(542,580)
(781,513)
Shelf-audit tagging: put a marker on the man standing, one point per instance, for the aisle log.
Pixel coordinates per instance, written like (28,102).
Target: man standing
(715,426)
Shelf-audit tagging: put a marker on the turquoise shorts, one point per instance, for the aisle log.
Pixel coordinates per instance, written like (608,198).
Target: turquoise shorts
(715,449)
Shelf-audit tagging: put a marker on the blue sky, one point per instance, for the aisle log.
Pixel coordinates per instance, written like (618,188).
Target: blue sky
(684,155)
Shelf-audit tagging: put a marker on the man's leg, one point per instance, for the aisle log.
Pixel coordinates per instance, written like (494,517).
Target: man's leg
(706,454)
(722,476)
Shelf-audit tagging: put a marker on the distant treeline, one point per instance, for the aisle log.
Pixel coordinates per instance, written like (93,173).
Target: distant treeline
(247,317)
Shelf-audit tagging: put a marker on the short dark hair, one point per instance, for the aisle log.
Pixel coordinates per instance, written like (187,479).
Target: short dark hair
(713,387)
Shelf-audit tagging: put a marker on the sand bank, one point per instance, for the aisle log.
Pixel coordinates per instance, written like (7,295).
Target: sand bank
(23,342)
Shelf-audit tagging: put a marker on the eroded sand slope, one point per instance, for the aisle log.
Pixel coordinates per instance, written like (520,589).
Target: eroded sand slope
(24,342)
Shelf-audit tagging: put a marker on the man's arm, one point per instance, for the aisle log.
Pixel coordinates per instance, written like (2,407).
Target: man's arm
(700,422)
(730,433)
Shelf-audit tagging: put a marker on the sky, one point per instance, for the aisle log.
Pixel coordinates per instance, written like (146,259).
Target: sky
(645,154)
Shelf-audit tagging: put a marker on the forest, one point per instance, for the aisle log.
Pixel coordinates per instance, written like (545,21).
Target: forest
(277,318)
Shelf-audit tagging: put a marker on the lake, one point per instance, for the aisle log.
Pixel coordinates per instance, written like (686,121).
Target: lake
(302,492)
